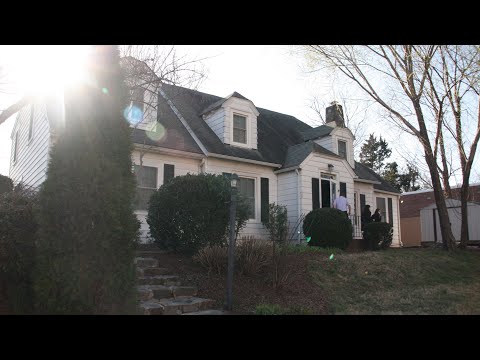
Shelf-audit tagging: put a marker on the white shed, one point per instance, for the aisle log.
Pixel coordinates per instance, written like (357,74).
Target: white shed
(430,223)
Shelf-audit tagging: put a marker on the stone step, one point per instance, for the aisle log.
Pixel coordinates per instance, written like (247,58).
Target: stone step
(140,272)
(208,312)
(146,262)
(167,280)
(155,271)
(158,292)
(179,306)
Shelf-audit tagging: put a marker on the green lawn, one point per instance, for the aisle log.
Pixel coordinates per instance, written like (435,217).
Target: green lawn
(400,281)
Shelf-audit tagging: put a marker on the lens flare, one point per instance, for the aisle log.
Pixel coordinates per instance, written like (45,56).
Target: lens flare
(133,114)
(155,131)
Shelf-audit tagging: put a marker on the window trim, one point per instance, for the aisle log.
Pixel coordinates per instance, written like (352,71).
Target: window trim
(346,148)
(237,128)
(145,187)
(255,196)
(15,148)
(384,218)
(30,125)
(247,117)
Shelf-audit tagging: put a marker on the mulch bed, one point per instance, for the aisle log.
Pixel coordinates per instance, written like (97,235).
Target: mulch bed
(249,291)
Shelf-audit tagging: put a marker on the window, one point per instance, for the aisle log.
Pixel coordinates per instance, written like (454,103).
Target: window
(30,125)
(246,187)
(168,172)
(138,98)
(146,185)
(381,204)
(15,147)
(239,129)
(342,148)
(343,189)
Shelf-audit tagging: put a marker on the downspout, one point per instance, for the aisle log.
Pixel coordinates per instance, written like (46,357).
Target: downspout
(298,202)
(400,242)
(200,167)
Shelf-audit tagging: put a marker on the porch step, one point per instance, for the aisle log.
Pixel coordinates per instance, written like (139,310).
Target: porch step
(167,280)
(146,262)
(155,271)
(158,292)
(179,306)
(208,312)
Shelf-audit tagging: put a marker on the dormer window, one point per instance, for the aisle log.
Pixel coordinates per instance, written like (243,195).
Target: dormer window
(239,129)
(138,98)
(342,148)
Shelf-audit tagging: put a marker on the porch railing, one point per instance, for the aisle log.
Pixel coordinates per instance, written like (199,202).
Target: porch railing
(357,226)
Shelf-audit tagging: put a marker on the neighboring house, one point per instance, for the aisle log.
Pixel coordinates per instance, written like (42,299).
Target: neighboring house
(277,157)
(412,202)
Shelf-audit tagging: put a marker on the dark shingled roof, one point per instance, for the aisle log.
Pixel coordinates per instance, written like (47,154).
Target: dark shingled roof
(364,172)
(219,103)
(276,132)
(176,136)
(296,154)
(317,132)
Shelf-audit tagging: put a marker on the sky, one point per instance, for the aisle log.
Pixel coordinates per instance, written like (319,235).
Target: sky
(271,76)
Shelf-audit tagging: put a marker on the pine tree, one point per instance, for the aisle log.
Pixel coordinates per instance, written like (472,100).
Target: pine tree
(392,176)
(88,230)
(374,153)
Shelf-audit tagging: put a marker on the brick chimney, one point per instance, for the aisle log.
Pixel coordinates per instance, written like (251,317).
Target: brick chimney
(334,113)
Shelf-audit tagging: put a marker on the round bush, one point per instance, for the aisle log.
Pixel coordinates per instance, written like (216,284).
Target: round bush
(192,211)
(328,227)
(378,235)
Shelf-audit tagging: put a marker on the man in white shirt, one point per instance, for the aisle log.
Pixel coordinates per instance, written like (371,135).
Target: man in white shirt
(341,203)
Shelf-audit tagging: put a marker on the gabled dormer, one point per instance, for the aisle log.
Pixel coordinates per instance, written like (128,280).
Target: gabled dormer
(234,120)
(334,135)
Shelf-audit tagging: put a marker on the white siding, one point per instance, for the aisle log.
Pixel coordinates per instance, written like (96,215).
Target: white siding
(345,135)
(182,167)
(32,156)
(245,108)
(396,241)
(326,142)
(288,196)
(216,121)
(367,190)
(254,227)
(312,167)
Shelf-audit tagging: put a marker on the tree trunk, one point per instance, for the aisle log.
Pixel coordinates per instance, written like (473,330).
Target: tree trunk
(448,240)
(464,237)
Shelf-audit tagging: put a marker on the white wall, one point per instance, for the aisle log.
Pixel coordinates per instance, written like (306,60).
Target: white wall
(182,167)
(312,167)
(287,194)
(32,156)
(254,227)
(244,108)
(216,121)
(396,216)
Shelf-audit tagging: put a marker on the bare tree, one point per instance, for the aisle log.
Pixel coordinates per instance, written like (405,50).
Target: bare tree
(395,77)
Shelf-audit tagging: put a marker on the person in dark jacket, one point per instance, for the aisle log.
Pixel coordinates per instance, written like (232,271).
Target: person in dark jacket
(366,216)
(377,217)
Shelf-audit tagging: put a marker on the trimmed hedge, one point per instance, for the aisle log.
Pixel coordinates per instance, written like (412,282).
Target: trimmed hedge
(192,211)
(17,248)
(6,184)
(378,235)
(328,227)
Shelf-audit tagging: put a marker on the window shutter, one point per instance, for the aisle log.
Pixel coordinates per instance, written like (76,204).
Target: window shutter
(264,199)
(343,189)
(315,193)
(390,211)
(168,172)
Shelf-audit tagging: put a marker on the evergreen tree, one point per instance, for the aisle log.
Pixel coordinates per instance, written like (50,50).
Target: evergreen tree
(392,176)
(374,153)
(408,180)
(6,184)
(88,230)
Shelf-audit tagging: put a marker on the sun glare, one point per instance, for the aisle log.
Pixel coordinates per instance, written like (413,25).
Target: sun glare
(47,69)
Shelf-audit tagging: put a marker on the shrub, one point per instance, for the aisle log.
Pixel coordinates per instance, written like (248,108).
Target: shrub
(87,227)
(328,227)
(213,257)
(17,247)
(269,309)
(6,184)
(252,256)
(192,211)
(277,223)
(378,235)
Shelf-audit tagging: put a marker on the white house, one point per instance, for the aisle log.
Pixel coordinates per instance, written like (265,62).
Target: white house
(277,157)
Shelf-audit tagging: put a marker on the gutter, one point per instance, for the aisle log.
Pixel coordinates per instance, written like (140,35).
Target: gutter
(387,192)
(366,181)
(286,169)
(298,200)
(162,150)
(234,158)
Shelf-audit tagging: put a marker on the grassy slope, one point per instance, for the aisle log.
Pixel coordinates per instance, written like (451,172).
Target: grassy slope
(400,281)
